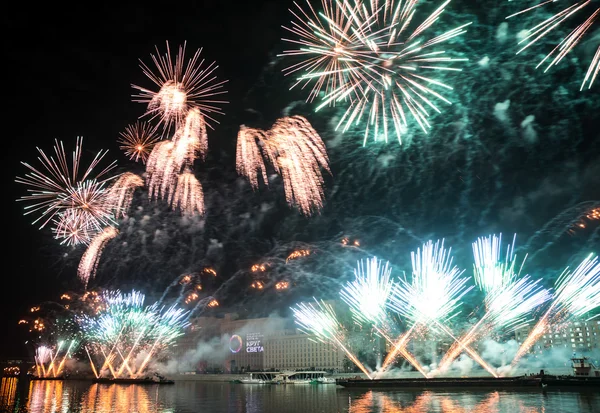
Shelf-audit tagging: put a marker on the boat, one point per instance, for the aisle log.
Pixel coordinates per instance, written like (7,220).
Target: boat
(464,382)
(299,377)
(156,379)
(261,377)
(323,380)
(47,378)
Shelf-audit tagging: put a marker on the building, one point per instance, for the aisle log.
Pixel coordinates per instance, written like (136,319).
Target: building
(237,345)
(577,336)
(293,350)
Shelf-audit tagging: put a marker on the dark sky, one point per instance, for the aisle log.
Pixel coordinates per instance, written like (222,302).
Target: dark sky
(70,70)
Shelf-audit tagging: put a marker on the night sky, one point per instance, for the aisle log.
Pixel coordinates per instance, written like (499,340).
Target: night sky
(69,74)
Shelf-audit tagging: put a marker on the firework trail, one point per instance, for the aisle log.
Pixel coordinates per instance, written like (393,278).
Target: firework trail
(138,140)
(322,322)
(59,185)
(91,257)
(120,193)
(509,297)
(576,295)
(571,40)
(383,69)
(181,87)
(297,154)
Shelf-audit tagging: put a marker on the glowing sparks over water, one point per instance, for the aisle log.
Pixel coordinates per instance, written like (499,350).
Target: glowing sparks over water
(321,321)
(90,259)
(138,140)
(297,154)
(59,185)
(127,334)
(378,59)
(556,22)
(577,295)
(182,86)
(367,295)
(509,299)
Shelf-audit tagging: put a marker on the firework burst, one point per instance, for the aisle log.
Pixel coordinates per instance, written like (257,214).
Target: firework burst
(384,70)
(328,43)
(126,329)
(509,299)
(138,140)
(296,152)
(591,12)
(59,185)
(182,86)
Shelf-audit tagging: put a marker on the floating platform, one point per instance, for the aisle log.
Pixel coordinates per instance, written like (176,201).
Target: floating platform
(525,382)
(102,380)
(47,378)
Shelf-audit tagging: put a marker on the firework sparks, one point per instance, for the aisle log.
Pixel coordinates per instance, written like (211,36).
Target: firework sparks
(328,43)
(127,328)
(322,323)
(181,87)
(213,303)
(58,186)
(297,254)
(435,293)
(170,164)
(72,228)
(368,294)
(210,271)
(367,297)
(379,59)
(577,294)
(509,297)
(90,259)
(257,285)
(249,160)
(570,41)
(436,289)
(259,267)
(282,285)
(188,195)
(138,140)
(120,193)
(296,152)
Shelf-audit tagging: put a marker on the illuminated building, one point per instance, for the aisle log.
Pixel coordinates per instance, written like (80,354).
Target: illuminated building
(579,336)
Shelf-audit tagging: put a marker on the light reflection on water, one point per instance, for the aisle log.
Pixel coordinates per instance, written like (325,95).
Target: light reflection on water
(192,396)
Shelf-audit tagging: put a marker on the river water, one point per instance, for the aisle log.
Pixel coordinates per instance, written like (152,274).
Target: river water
(214,397)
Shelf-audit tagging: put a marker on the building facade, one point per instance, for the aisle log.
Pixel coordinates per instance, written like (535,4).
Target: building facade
(577,336)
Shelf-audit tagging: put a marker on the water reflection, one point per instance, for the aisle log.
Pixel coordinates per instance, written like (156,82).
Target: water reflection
(8,391)
(196,396)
